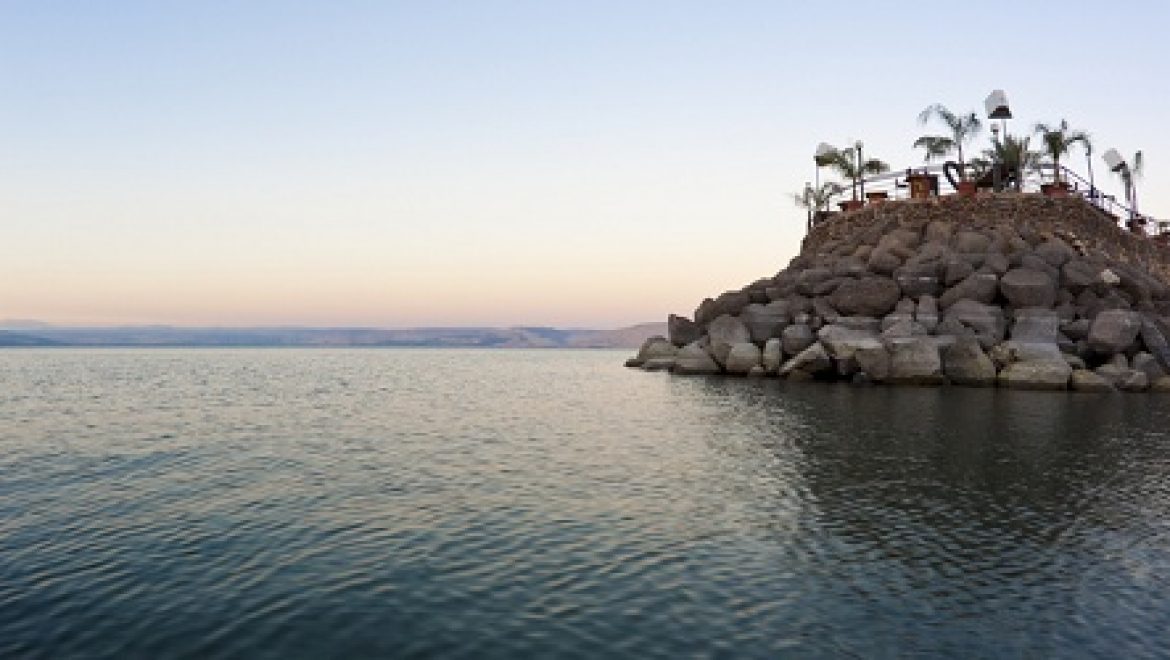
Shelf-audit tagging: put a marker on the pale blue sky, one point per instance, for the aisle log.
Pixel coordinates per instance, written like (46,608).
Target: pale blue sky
(493,162)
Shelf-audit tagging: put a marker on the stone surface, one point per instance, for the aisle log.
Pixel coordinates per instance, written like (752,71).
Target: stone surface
(1035,375)
(796,338)
(693,359)
(724,332)
(985,321)
(965,363)
(874,361)
(1113,331)
(916,362)
(1036,324)
(659,364)
(980,287)
(1087,381)
(1024,287)
(1148,364)
(682,330)
(868,296)
(656,347)
(810,361)
(841,341)
(772,356)
(742,358)
(765,321)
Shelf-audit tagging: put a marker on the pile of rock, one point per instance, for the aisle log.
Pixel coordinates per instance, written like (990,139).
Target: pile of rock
(929,299)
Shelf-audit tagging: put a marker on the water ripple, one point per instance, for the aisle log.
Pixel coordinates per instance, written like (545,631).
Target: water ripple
(349,503)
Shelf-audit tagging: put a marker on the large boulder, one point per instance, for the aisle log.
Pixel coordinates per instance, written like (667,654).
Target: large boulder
(1114,331)
(971,242)
(1036,324)
(796,338)
(765,321)
(980,287)
(919,277)
(729,302)
(773,356)
(1148,364)
(965,363)
(926,312)
(916,362)
(811,361)
(1087,381)
(693,360)
(841,341)
(1025,287)
(653,348)
(724,332)
(873,361)
(682,330)
(868,296)
(1155,340)
(985,321)
(809,278)
(742,358)
(1034,366)
(1077,274)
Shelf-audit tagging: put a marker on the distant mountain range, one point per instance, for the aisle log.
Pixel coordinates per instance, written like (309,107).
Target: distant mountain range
(31,333)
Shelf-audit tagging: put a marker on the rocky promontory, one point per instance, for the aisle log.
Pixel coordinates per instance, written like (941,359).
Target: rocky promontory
(1013,290)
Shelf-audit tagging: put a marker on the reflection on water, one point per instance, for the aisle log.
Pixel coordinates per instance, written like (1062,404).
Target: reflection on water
(246,503)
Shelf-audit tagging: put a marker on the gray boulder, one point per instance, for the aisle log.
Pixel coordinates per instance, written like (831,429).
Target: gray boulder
(1148,364)
(1087,381)
(971,242)
(765,321)
(1055,251)
(1114,331)
(873,361)
(1028,288)
(1036,324)
(742,358)
(654,347)
(1155,340)
(986,321)
(694,360)
(927,312)
(773,356)
(1134,381)
(995,262)
(919,278)
(883,262)
(916,362)
(1077,274)
(812,360)
(841,342)
(868,296)
(965,363)
(809,278)
(724,332)
(682,330)
(659,364)
(796,338)
(1033,366)
(980,287)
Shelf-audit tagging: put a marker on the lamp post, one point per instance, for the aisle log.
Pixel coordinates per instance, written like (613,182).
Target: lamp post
(996,181)
(860,173)
(997,107)
(1117,164)
(1089,163)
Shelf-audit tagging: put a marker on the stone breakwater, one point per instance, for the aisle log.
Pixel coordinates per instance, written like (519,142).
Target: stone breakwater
(1011,290)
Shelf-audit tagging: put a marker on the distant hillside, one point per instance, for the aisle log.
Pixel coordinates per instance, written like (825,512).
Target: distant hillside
(15,339)
(33,334)
(631,337)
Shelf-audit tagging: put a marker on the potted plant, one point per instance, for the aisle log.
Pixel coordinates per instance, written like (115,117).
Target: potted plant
(963,129)
(850,163)
(1057,140)
(1011,156)
(816,201)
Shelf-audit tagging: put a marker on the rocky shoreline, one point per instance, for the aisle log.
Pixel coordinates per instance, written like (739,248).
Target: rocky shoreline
(1011,289)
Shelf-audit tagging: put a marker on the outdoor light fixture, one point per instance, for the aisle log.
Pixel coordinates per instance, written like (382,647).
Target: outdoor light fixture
(997,105)
(1114,160)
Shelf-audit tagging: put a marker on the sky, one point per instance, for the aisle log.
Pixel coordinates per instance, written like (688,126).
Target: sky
(586,164)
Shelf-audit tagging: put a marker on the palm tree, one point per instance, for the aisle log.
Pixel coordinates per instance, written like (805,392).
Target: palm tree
(845,161)
(1013,155)
(815,200)
(1057,140)
(963,129)
(1129,173)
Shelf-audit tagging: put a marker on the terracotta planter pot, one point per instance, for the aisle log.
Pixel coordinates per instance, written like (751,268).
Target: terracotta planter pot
(851,205)
(967,189)
(1054,189)
(876,197)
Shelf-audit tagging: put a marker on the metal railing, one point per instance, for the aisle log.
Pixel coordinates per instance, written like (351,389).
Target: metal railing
(894,185)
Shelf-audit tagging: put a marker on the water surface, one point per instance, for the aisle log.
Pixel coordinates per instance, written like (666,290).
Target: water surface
(459,503)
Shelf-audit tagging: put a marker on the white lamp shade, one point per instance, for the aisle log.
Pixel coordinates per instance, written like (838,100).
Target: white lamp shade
(997,105)
(1113,160)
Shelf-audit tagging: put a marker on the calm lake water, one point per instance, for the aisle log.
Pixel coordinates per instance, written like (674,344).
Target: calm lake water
(456,503)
